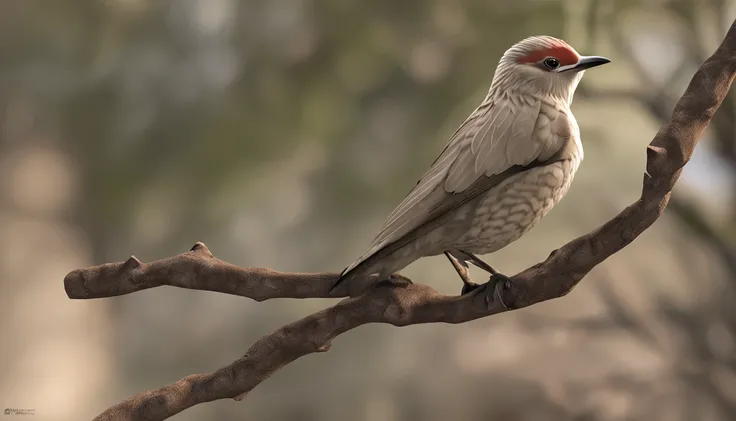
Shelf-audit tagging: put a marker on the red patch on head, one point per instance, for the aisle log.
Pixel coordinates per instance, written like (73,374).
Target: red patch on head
(562,52)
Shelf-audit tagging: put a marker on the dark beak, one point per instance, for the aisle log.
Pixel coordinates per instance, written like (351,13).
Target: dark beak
(586,62)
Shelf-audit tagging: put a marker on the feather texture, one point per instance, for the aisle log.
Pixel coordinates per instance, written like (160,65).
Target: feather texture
(499,139)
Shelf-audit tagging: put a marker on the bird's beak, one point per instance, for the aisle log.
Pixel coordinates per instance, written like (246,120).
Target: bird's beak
(585,62)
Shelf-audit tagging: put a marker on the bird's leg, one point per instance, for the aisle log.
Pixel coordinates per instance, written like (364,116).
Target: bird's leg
(479,263)
(495,285)
(461,267)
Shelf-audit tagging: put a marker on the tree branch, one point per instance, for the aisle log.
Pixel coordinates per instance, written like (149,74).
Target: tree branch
(197,269)
(658,101)
(405,305)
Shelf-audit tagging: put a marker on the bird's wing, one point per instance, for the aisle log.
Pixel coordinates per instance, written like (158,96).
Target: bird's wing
(498,140)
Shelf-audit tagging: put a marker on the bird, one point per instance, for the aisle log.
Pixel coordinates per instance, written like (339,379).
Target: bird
(507,165)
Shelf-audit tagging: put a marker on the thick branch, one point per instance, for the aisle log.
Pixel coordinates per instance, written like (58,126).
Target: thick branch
(666,155)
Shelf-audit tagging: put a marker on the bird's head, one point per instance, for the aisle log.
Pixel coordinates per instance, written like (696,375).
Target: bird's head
(543,66)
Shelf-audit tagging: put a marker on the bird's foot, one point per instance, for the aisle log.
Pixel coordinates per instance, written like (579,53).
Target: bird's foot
(469,287)
(493,289)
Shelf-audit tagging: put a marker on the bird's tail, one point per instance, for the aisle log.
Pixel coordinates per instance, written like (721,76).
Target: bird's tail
(349,273)
(340,279)
(358,269)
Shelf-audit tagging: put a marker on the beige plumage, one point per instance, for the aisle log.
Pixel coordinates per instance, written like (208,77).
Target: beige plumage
(503,169)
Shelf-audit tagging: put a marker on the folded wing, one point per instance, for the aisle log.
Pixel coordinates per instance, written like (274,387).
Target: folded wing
(495,142)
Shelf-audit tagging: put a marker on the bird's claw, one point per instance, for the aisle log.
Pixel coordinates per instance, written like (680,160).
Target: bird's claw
(493,289)
(500,282)
(469,287)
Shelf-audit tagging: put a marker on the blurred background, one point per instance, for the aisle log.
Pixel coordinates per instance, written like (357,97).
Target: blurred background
(281,134)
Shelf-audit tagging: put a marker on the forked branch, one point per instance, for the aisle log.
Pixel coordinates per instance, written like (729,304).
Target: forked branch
(670,150)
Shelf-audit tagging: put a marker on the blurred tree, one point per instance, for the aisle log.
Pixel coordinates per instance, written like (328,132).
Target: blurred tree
(274,130)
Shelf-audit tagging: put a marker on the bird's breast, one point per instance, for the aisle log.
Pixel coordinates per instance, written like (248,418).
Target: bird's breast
(507,211)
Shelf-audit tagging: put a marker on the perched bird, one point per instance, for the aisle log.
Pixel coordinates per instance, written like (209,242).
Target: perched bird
(503,169)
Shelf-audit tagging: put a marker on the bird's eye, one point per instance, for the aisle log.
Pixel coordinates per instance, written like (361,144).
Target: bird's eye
(552,63)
